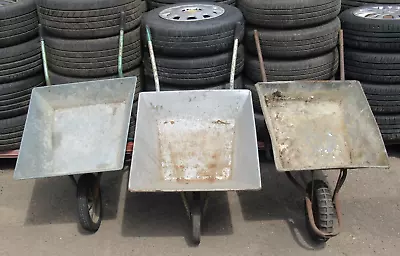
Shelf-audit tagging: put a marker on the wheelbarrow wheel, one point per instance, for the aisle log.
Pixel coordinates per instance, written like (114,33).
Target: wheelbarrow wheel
(269,153)
(323,210)
(89,202)
(195,216)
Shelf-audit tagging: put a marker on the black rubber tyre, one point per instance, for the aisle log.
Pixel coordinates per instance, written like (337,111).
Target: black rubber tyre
(288,14)
(323,67)
(19,52)
(195,218)
(201,71)
(18,22)
(250,85)
(389,126)
(193,38)
(14,124)
(20,61)
(152,4)
(89,205)
(383,98)
(370,34)
(11,130)
(132,125)
(11,135)
(93,57)
(15,109)
(372,67)
(90,18)
(56,78)
(261,128)
(323,209)
(382,92)
(295,43)
(21,87)
(150,86)
(11,146)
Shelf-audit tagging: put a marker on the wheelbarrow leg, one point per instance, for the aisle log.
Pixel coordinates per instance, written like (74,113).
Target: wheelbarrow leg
(195,204)
(88,195)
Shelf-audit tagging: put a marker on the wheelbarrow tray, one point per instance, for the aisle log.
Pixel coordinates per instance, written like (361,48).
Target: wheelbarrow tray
(321,125)
(200,140)
(76,128)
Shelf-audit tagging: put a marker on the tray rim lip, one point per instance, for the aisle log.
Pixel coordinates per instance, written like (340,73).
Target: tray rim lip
(128,100)
(277,160)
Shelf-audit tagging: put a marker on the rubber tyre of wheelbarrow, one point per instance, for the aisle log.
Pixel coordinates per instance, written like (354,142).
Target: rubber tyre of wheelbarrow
(194,38)
(196,218)
(90,18)
(295,43)
(288,14)
(323,67)
(85,183)
(371,34)
(200,71)
(323,209)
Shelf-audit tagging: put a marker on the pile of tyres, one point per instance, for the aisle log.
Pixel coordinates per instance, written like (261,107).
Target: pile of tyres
(20,68)
(372,56)
(82,39)
(193,46)
(152,4)
(346,4)
(298,41)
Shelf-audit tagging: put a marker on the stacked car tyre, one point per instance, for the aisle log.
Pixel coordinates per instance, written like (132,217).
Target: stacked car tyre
(298,41)
(193,45)
(152,4)
(82,39)
(20,68)
(372,56)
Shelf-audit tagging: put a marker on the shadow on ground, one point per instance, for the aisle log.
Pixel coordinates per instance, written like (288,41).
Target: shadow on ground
(163,214)
(54,199)
(279,199)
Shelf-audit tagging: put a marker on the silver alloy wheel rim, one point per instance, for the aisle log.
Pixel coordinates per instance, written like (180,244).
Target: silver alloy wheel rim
(380,12)
(192,12)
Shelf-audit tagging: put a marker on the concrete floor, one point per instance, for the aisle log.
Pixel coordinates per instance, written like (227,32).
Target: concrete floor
(38,217)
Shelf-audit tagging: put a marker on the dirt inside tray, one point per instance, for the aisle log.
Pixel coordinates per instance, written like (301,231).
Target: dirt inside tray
(309,131)
(196,150)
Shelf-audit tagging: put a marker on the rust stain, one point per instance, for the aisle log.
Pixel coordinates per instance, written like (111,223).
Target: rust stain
(197,154)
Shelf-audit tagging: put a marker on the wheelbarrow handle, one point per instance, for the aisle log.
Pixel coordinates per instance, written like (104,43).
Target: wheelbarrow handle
(234,55)
(152,59)
(260,57)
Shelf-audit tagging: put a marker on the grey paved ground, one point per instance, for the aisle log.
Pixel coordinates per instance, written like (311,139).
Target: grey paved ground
(38,217)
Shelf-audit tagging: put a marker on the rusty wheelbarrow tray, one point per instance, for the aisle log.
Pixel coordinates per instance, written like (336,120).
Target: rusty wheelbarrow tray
(321,125)
(195,142)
